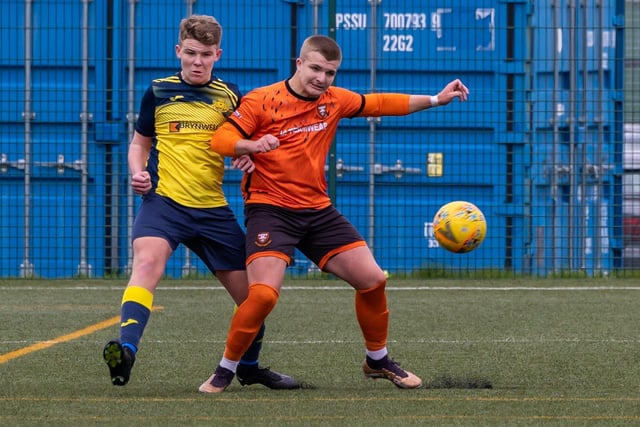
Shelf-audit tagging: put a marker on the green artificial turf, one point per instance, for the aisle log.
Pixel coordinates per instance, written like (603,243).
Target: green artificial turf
(491,352)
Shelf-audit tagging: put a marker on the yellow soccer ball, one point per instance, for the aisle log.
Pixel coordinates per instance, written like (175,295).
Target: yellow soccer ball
(459,226)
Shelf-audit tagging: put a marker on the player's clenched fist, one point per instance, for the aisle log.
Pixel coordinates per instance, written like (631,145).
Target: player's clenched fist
(141,182)
(266,144)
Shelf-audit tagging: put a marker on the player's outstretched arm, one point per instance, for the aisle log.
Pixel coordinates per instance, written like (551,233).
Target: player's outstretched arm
(454,89)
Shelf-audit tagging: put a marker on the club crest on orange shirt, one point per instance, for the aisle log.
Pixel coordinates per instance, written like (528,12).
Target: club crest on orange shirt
(322,111)
(263,239)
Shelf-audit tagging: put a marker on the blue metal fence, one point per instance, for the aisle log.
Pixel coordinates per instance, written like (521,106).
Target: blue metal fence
(537,147)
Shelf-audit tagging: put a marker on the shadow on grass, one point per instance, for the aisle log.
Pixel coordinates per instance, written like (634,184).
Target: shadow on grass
(464,382)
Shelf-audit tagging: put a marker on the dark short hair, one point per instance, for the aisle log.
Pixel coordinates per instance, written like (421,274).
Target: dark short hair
(203,28)
(324,45)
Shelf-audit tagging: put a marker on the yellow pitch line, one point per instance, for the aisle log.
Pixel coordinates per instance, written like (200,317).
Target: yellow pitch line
(64,338)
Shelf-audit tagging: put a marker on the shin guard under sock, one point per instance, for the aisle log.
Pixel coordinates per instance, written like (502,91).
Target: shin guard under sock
(134,314)
(373,316)
(248,320)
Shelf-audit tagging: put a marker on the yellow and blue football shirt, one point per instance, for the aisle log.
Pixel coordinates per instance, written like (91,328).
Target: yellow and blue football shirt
(181,119)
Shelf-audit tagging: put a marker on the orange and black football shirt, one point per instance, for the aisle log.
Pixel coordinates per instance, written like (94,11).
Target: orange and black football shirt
(293,175)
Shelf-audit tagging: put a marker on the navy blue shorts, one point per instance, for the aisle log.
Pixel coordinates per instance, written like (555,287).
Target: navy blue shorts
(211,233)
(318,234)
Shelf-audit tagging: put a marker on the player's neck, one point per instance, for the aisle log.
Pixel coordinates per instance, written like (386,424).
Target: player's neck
(297,88)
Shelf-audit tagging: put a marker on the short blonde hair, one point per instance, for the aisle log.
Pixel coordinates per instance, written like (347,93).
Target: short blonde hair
(324,45)
(203,28)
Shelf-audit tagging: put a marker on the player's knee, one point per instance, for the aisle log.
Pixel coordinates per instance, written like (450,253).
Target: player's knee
(376,279)
(148,266)
(380,278)
(378,285)
(263,295)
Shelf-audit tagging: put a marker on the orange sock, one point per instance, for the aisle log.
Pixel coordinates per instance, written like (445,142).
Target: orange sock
(373,316)
(248,319)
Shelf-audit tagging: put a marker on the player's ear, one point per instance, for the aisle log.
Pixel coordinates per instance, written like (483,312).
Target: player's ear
(178,50)
(218,54)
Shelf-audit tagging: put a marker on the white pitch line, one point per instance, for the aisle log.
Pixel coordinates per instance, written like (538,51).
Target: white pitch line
(338,288)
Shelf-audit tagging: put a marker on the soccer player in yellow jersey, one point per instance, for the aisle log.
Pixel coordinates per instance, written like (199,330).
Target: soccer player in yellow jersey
(180,180)
(288,128)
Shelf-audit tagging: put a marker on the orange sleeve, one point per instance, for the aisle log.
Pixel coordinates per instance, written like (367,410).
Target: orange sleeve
(223,140)
(385,104)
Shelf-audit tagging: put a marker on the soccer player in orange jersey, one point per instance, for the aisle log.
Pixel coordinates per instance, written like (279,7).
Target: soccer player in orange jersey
(288,128)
